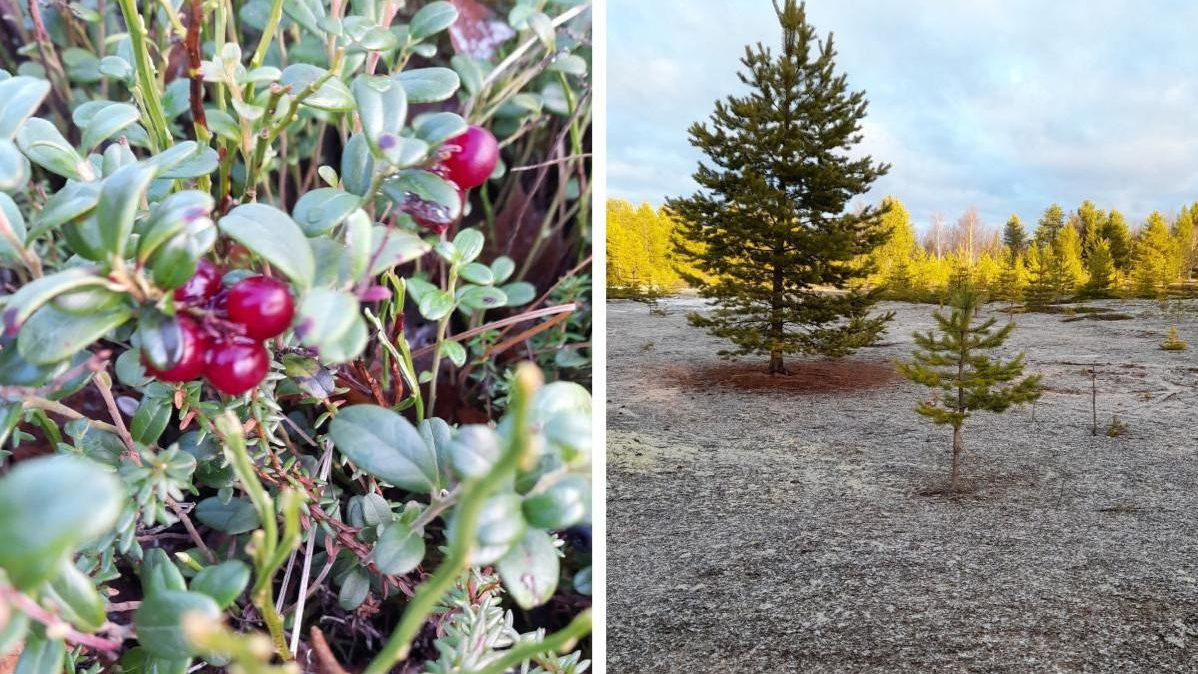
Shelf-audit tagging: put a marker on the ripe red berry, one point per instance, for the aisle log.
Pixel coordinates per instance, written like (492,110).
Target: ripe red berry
(262,304)
(236,365)
(195,350)
(472,157)
(201,286)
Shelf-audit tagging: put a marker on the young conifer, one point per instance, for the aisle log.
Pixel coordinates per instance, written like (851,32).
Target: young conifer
(956,361)
(770,228)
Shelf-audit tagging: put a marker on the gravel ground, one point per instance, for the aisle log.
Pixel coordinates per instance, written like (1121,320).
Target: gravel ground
(785,529)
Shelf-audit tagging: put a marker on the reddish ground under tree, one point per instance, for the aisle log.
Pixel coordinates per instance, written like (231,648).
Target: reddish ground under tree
(805,377)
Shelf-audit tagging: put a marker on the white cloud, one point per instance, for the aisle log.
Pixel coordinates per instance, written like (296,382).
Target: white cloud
(999,104)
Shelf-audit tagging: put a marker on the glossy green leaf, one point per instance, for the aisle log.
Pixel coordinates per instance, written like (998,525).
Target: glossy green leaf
(78,600)
(19,98)
(169,217)
(306,13)
(354,589)
(415,190)
(357,165)
(159,622)
(14,167)
(138,660)
(176,261)
(531,569)
(320,210)
(325,316)
(437,127)
(159,574)
(468,244)
(332,95)
(474,451)
(35,294)
(436,305)
(385,445)
(150,420)
(395,247)
(16,224)
(49,505)
(563,504)
(112,119)
(477,273)
(272,234)
(223,582)
(51,335)
(482,297)
(382,109)
(72,201)
(399,550)
(45,146)
(375,509)
(41,655)
(500,526)
(119,198)
(455,352)
(429,85)
(432,19)
(235,517)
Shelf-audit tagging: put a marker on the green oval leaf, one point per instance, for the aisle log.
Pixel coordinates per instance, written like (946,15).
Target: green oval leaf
(19,98)
(331,95)
(223,582)
(111,119)
(80,603)
(235,517)
(431,19)
(14,167)
(274,236)
(382,108)
(51,335)
(531,569)
(399,550)
(49,505)
(119,198)
(385,445)
(72,201)
(159,622)
(44,145)
(429,85)
(320,210)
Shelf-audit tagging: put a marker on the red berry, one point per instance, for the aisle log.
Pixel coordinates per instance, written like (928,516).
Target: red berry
(201,286)
(236,365)
(263,305)
(472,157)
(191,364)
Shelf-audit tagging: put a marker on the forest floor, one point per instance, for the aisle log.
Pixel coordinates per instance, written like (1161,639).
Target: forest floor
(787,524)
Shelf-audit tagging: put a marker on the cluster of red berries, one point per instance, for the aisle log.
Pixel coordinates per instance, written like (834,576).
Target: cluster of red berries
(468,160)
(226,345)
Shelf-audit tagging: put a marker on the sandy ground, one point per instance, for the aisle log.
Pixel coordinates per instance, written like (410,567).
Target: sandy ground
(784,530)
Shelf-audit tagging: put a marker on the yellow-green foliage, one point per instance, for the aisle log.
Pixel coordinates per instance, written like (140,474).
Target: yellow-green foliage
(1138,263)
(639,250)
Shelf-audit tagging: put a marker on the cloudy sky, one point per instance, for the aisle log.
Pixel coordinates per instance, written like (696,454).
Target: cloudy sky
(1004,105)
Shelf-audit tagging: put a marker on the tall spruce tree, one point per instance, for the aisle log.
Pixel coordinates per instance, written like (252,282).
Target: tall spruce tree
(1050,224)
(769,227)
(1014,237)
(969,379)
(1118,235)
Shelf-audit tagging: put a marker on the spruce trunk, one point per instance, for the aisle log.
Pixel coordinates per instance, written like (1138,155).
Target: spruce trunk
(776,325)
(956,459)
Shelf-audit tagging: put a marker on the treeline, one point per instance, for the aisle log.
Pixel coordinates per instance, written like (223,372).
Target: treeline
(639,248)
(1083,253)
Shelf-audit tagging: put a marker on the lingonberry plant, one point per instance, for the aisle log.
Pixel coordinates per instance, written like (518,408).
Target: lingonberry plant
(294,327)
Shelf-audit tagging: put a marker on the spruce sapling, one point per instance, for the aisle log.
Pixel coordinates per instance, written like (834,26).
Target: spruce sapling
(957,362)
